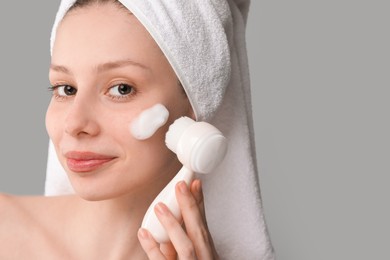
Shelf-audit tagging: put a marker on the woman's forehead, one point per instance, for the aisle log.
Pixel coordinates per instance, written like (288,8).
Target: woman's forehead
(105,34)
(102,20)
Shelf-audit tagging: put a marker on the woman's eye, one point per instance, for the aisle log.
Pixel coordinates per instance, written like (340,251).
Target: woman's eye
(66,90)
(62,92)
(121,90)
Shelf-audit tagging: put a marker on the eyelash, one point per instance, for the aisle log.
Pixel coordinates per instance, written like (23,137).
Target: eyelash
(54,90)
(125,97)
(119,98)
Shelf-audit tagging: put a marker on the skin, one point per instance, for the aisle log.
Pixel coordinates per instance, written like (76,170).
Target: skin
(88,113)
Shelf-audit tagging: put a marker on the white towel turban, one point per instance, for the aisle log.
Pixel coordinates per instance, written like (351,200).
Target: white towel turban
(204,41)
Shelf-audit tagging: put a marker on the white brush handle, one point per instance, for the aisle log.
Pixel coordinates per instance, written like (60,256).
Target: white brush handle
(168,197)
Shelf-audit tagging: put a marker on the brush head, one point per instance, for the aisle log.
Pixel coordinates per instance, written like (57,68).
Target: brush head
(199,146)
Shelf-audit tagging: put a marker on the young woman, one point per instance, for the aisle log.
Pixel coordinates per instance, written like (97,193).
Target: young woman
(106,69)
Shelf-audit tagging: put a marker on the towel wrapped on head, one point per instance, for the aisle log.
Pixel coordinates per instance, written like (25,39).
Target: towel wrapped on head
(204,41)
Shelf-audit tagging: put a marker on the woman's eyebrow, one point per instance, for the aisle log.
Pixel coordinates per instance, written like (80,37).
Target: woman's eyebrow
(104,66)
(120,63)
(60,68)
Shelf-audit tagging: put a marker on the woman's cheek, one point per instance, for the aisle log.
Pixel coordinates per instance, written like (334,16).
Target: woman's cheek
(53,122)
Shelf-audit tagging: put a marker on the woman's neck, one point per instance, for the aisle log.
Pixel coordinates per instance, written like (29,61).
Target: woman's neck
(109,227)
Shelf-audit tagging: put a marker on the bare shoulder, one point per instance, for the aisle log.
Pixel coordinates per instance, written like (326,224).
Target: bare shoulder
(7,207)
(19,214)
(26,222)
(11,214)
(4,199)
(14,224)
(32,210)
(30,205)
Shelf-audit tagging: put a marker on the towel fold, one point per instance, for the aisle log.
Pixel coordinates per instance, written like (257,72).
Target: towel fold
(204,41)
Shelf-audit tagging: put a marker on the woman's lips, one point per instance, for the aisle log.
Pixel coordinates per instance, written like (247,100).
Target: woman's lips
(86,161)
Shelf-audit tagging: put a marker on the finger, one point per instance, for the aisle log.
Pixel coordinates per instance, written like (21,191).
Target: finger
(196,190)
(181,242)
(149,245)
(168,251)
(194,220)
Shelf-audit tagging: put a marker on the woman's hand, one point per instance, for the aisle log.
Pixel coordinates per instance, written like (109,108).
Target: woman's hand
(190,241)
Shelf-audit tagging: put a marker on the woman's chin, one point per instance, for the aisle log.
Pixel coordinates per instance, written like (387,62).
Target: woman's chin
(93,192)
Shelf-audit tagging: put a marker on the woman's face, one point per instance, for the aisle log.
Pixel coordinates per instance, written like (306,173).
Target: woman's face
(106,69)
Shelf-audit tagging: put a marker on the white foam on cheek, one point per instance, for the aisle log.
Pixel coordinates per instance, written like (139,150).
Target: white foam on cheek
(149,121)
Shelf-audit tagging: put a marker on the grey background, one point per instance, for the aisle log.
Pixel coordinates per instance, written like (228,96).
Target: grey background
(320,78)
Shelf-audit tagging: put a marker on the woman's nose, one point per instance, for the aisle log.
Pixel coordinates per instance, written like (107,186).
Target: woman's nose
(81,119)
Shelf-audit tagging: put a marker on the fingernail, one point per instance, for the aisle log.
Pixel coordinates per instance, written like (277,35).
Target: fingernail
(183,187)
(198,186)
(143,233)
(161,208)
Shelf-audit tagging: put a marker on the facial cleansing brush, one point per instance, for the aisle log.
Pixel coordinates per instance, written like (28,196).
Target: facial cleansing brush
(200,147)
